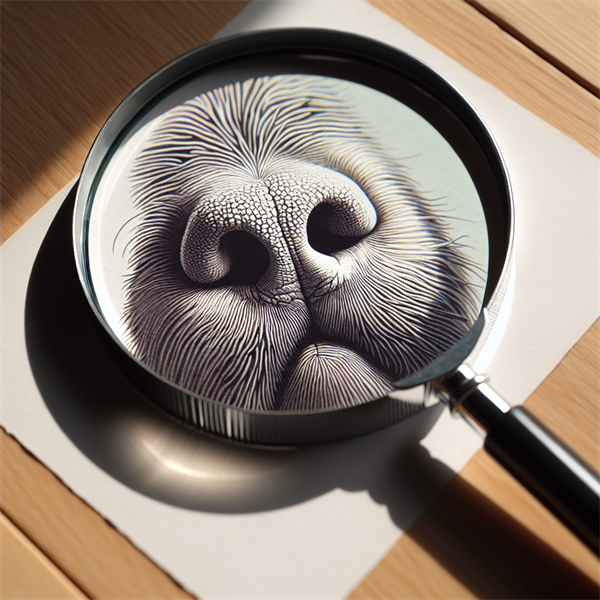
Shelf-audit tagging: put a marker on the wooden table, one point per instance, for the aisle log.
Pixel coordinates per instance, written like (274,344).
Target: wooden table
(65,66)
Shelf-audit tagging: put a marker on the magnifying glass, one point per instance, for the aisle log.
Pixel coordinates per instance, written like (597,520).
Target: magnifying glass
(297,236)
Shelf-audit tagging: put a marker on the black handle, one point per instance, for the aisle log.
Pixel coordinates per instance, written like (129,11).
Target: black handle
(527,450)
(549,470)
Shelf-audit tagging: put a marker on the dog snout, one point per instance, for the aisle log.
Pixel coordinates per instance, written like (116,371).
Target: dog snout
(280,235)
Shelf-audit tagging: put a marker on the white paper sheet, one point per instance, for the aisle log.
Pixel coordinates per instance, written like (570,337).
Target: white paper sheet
(309,523)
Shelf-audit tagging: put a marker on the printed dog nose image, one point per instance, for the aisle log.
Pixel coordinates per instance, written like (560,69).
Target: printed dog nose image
(287,242)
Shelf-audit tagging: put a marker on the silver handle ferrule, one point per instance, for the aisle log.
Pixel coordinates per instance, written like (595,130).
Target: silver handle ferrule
(467,394)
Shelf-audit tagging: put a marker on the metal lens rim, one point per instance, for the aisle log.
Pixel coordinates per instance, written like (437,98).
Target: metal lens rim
(280,427)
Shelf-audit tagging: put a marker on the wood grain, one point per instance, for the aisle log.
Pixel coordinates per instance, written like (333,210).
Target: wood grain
(469,546)
(25,572)
(565,32)
(65,65)
(91,553)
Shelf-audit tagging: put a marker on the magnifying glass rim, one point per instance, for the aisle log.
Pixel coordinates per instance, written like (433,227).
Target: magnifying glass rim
(334,44)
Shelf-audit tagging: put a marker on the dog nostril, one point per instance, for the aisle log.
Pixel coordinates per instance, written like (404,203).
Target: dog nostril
(329,232)
(233,258)
(248,256)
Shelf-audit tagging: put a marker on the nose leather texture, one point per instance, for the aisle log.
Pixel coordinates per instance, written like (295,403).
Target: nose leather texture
(276,212)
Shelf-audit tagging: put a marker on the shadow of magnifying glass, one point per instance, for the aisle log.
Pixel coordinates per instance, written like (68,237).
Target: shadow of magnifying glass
(135,442)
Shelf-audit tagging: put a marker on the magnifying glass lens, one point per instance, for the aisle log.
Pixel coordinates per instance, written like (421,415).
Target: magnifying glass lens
(286,241)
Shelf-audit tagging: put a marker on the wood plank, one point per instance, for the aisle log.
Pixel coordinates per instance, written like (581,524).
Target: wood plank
(27,573)
(469,546)
(65,67)
(564,32)
(466,35)
(87,549)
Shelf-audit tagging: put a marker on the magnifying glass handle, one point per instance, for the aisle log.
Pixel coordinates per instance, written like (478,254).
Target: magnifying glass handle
(558,478)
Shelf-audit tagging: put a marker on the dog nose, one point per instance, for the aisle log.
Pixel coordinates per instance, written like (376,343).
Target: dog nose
(281,234)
